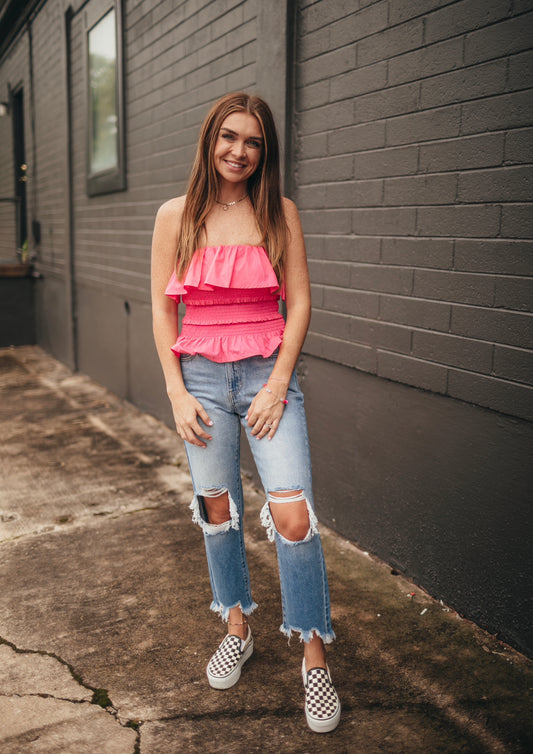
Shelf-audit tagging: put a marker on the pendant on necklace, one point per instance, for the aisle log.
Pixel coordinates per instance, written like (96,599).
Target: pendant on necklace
(226,205)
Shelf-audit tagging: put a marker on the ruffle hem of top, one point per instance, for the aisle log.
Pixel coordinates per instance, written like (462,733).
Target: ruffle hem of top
(231,294)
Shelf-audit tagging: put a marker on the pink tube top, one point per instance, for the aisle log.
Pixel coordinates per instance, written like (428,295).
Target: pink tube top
(231,295)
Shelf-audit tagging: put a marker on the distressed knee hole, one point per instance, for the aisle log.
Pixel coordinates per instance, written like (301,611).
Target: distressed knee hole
(214,510)
(215,504)
(290,514)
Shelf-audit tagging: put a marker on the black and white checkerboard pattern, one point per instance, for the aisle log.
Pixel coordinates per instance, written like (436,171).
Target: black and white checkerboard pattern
(226,658)
(321,698)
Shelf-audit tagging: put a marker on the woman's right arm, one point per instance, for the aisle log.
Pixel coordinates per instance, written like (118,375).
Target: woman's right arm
(186,408)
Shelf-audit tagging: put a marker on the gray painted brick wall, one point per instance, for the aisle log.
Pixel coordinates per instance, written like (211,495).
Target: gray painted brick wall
(50,137)
(412,167)
(414,177)
(177,61)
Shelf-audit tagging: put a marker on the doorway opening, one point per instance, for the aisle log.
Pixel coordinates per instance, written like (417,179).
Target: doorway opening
(21,168)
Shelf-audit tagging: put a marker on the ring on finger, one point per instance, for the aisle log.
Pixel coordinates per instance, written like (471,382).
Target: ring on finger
(269,426)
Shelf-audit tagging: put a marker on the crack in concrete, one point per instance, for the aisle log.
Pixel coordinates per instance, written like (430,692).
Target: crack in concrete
(43,695)
(44,653)
(136,726)
(99,698)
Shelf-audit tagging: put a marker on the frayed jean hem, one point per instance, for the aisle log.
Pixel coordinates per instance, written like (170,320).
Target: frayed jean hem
(216,607)
(306,636)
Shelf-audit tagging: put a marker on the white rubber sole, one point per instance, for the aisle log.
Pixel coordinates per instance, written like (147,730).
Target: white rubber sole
(231,679)
(323,726)
(315,724)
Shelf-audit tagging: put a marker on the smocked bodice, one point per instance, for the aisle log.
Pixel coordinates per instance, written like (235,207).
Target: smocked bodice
(231,295)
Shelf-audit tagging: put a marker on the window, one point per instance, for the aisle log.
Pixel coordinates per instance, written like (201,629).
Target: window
(105,149)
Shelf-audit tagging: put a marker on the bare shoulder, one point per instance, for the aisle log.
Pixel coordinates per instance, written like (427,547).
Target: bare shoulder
(171,211)
(292,218)
(290,210)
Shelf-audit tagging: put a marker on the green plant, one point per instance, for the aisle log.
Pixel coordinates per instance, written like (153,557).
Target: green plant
(23,252)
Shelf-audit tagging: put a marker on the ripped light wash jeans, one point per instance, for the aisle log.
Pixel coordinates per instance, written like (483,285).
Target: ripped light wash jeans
(226,391)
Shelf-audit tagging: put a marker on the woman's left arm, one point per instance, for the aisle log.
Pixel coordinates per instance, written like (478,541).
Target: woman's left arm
(267,406)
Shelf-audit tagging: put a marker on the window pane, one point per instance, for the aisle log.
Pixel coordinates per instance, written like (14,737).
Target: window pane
(103,95)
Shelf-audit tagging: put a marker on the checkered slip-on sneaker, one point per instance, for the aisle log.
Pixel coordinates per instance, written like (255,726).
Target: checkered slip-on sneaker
(224,667)
(322,705)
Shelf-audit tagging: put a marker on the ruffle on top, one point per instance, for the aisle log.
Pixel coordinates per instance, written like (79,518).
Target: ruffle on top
(213,267)
(231,294)
(224,347)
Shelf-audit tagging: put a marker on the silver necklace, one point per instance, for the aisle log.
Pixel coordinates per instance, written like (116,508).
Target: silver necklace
(225,205)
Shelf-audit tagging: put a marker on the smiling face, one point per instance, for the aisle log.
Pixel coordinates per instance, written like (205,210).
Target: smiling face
(238,148)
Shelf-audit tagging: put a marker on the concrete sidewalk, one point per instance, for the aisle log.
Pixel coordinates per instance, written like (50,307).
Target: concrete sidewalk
(105,628)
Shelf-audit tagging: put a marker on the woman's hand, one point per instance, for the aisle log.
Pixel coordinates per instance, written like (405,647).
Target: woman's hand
(187,409)
(265,412)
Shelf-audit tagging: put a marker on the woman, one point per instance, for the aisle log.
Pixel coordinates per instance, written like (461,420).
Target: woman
(228,249)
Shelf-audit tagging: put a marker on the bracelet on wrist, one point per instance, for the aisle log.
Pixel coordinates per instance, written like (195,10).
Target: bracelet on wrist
(281,400)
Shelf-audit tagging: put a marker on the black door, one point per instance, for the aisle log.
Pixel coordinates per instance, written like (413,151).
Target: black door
(21,167)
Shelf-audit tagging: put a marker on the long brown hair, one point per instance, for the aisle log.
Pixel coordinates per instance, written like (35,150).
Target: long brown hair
(263,185)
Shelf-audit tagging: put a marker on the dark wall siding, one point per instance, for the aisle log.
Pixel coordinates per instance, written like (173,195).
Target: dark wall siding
(414,176)
(438,489)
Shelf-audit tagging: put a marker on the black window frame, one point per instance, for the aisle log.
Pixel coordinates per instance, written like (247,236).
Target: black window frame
(113,179)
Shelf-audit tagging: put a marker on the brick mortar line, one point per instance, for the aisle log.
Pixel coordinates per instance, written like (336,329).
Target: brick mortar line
(390,118)
(449,367)
(195,69)
(496,204)
(195,49)
(353,237)
(504,166)
(484,239)
(420,78)
(461,204)
(178,24)
(422,15)
(413,329)
(454,368)
(444,302)
(412,268)
(416,110)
